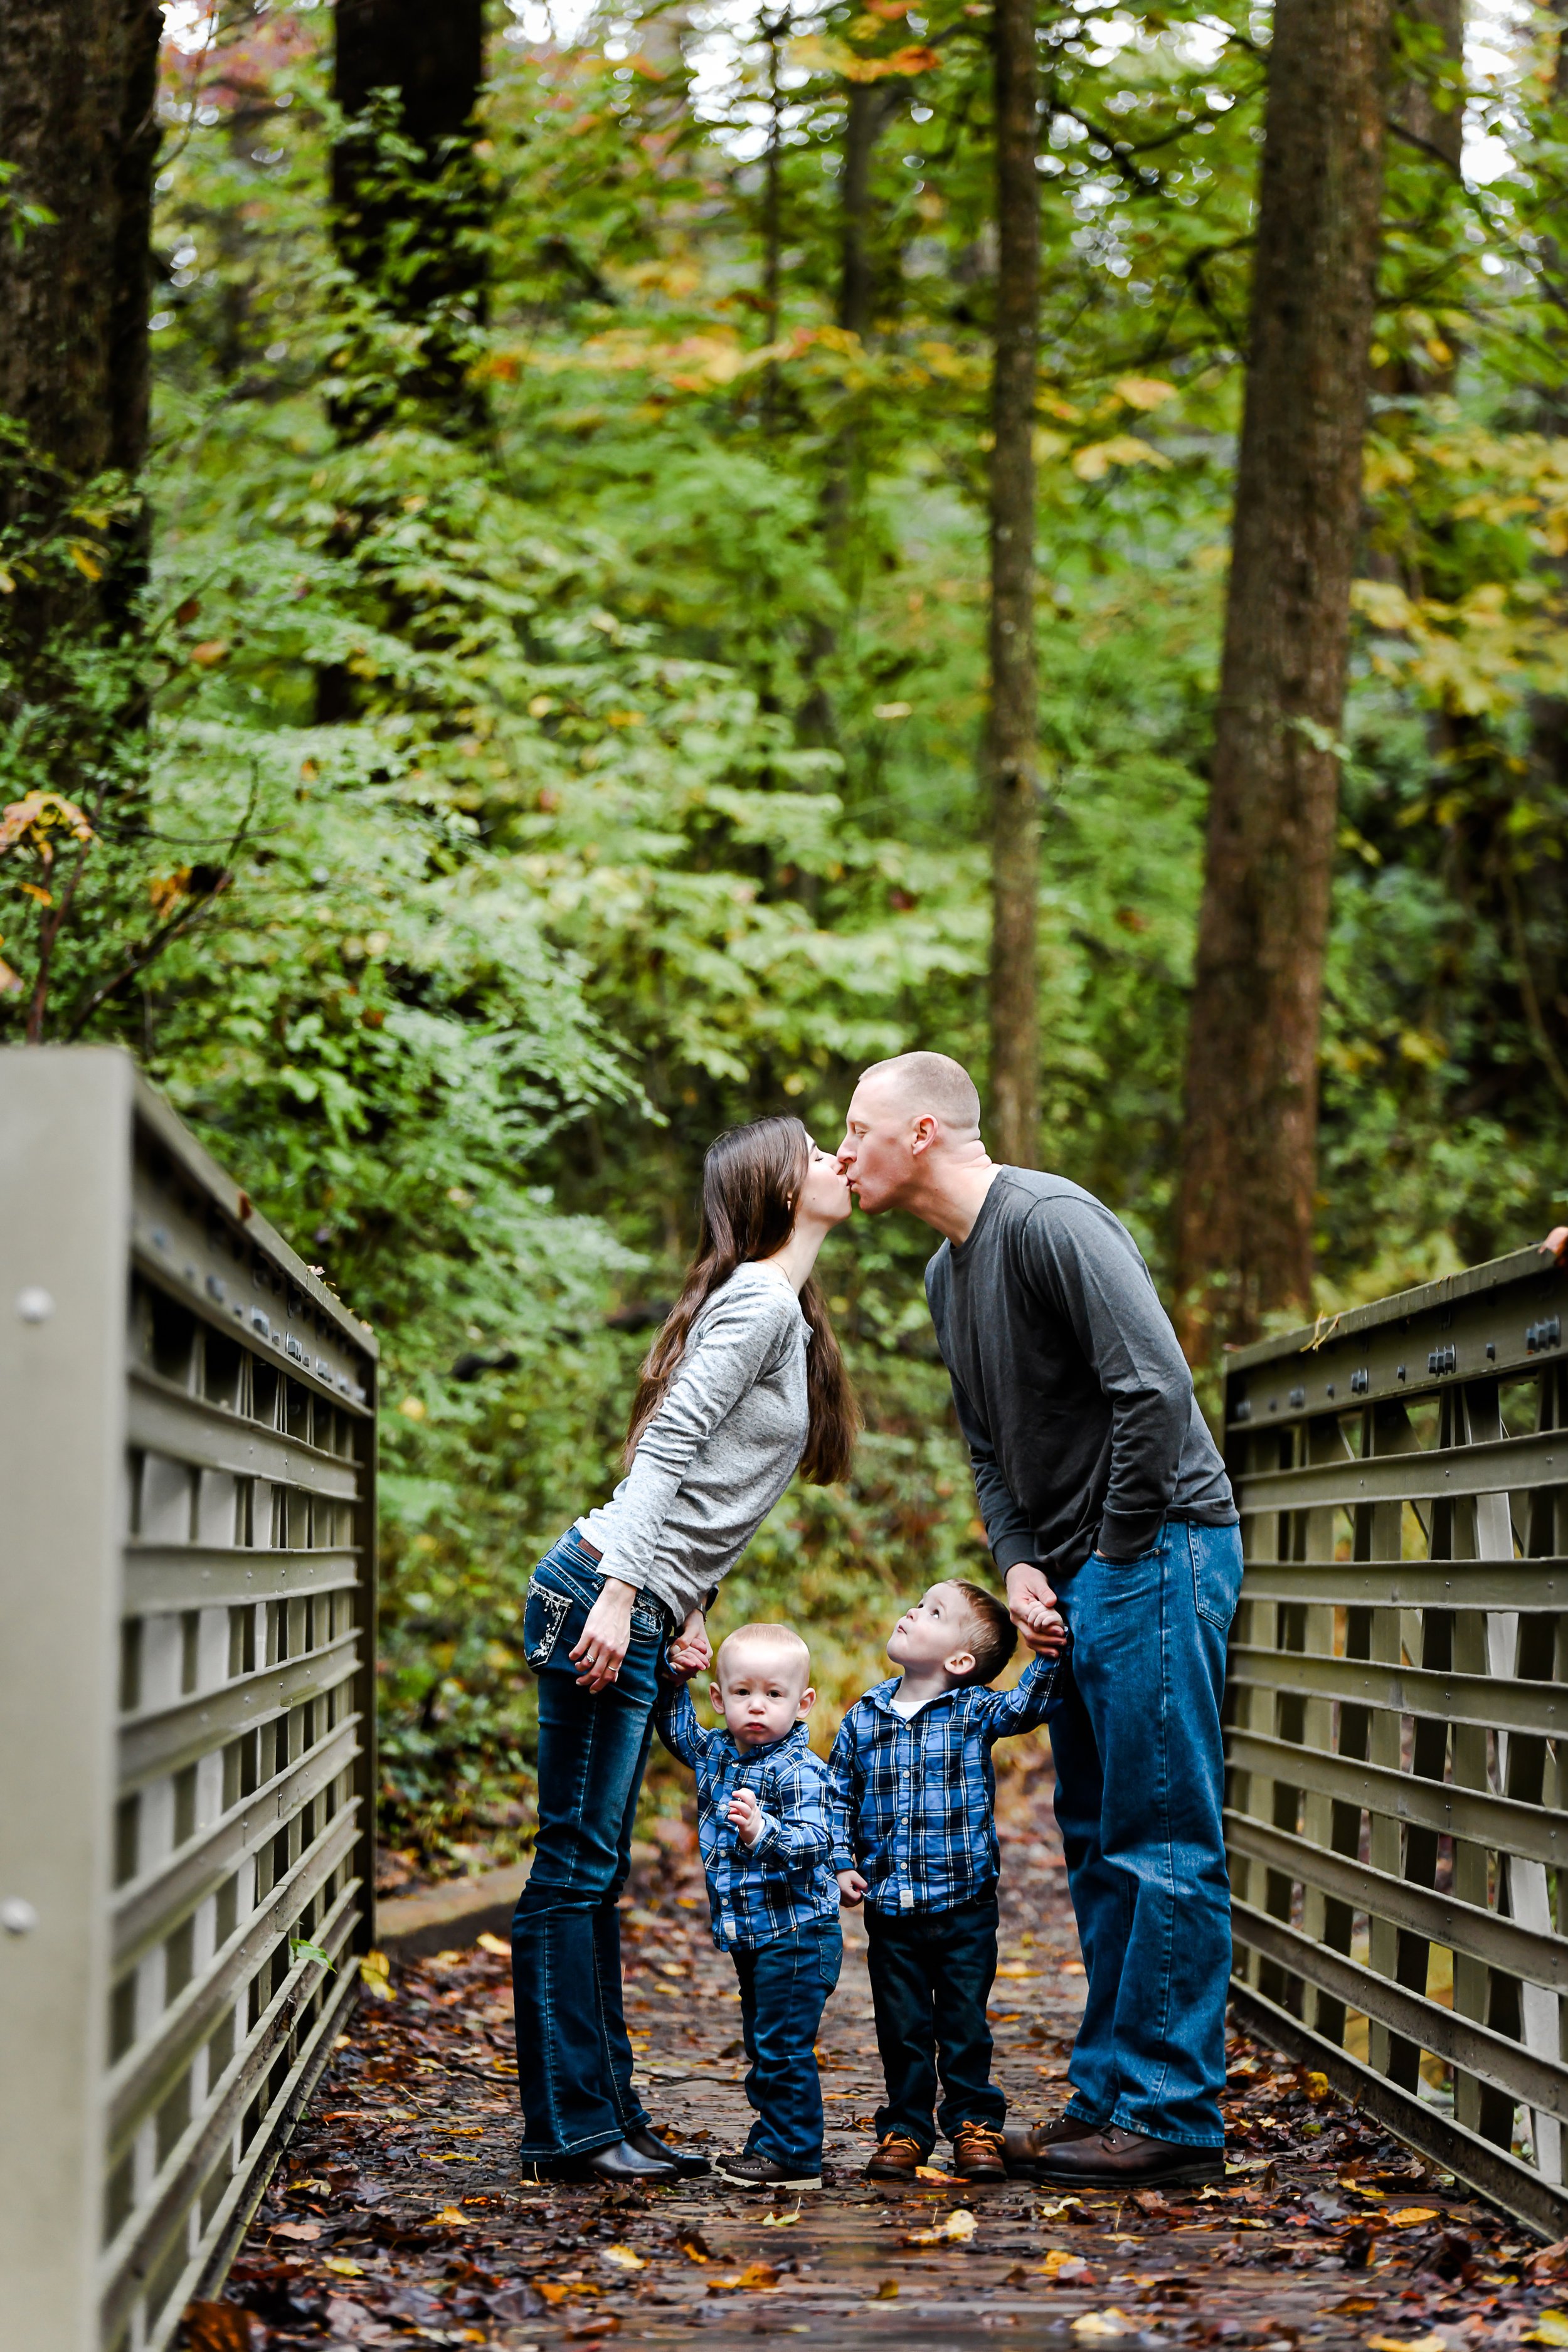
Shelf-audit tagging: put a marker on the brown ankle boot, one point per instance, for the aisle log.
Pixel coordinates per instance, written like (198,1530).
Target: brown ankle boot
(895,2159)
(978,2153)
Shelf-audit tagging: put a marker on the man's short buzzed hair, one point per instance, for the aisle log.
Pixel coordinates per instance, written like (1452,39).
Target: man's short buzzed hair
(784,1639)
(934,1082)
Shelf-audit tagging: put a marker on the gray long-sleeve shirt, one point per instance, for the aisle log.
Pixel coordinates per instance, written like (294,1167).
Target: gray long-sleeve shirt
(1071,1391)
(720,1451)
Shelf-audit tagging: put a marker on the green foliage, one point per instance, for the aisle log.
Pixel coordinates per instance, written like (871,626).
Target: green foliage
(551,730)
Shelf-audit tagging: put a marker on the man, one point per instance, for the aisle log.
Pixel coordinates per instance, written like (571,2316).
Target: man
(1105,1498)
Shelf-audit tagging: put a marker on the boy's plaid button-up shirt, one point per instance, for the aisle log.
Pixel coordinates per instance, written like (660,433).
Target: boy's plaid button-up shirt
(912,1803)
(760,1892)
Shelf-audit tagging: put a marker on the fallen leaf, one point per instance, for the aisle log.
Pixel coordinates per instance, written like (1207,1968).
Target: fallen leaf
(885,2291)
(301,2233)
(1436,2342)
(1067,2269)
(216,2327)
(693,2245)
(1550,2327)
(606,2324)
(1150,2200)
(624,2258)
(780,2220)
(452,2218)
(493,1944)
(1055,2207)
(954,2229)
(758,2277)
(343,2267)
(1355,2303)
(1110,2322)
(1410,2217)
(931,2173)
(1019,1969)
(1316,2086)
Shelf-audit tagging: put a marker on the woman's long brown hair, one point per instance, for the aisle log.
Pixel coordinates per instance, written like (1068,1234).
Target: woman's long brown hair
(751,1182)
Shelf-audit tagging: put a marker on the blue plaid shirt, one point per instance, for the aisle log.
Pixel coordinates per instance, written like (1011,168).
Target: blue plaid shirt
(912,1804)
(760,1892)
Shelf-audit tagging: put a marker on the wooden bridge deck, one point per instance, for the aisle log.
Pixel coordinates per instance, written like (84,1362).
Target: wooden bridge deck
(398,2218)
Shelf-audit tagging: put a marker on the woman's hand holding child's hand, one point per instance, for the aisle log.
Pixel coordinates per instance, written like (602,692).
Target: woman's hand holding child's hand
(745,1816)
(851,1889)
(690,1653)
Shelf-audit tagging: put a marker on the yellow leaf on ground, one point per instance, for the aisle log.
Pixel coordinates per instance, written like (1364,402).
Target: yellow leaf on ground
(493,1945)
(886,2289)
(1550,2327)
(954,2229)
(934,2172)
(625,2258)
(780,2220)
(343,2267)
(1410,2217)
(1434,2342)
(452,2218)
(1019,1969)
(1110,2322)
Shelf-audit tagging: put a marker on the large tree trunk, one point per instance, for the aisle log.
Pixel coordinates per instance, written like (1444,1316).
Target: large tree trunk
(1245,1219)
(415,236)
(77,83)
(1014,718)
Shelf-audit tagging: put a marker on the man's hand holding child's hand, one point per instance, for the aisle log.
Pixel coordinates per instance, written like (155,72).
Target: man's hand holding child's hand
(745,1816)
(851,1888)
(1047,1626)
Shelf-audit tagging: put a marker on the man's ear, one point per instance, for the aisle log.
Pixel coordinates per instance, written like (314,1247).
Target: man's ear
(807,1701)
(961,1663)
(924,1133)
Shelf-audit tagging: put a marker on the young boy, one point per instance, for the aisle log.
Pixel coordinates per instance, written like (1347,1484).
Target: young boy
(762,1828)
(912,1810)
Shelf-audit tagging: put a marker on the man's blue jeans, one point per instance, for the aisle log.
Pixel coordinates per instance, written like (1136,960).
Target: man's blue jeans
(1139,1787)
(573,2060)
(785,1986)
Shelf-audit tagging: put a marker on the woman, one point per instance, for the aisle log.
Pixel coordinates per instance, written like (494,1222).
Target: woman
(744,1385)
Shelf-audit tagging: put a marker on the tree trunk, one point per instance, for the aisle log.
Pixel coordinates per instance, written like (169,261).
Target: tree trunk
(1245,1216)
(78,81)
(1013,717)
(414,235)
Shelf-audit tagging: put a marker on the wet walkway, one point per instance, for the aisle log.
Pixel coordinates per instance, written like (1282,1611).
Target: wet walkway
(397,2217)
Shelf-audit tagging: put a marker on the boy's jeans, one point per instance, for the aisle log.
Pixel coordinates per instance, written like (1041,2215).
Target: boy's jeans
(1140,1785)
(785,1986)
(574,2061)
(931,1973)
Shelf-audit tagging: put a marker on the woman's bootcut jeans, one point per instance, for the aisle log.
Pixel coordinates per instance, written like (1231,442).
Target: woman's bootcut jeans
(573,2060)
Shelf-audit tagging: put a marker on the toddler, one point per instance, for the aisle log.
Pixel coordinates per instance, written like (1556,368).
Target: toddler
(763,1830)
(912,1813)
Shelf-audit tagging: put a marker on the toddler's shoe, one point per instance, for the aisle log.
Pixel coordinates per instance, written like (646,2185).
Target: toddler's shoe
(896,2159)
(761,2172)
(979,2153)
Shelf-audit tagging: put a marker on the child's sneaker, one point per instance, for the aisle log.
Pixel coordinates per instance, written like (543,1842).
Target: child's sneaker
(762,2172)
(896,2159)
(979,2153)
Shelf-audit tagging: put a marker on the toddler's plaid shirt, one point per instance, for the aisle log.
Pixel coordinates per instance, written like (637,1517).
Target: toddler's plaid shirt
(759,1892)
(912,1804)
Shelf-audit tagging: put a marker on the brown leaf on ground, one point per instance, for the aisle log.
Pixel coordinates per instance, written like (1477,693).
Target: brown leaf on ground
(215,2327)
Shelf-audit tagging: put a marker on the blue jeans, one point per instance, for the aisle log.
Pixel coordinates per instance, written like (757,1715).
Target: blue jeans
(931,1974)
(1139,1787)
(573,2060)
(784,1987)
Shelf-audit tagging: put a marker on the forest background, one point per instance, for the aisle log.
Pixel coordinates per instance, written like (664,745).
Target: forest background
(550,724)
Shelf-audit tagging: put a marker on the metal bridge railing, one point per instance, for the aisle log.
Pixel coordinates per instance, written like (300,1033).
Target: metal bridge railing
(187,1429)
(1398,1718)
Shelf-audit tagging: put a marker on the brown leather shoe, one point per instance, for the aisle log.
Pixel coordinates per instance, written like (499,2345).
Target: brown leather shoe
(1113,2158)
(977,2152)
(895,2159)
(1024,2143)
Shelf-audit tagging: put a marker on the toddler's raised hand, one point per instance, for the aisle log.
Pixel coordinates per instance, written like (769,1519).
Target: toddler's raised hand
(745,1816)
(851,1889)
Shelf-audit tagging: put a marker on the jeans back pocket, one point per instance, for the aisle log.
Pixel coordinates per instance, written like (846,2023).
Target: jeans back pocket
(544,1614)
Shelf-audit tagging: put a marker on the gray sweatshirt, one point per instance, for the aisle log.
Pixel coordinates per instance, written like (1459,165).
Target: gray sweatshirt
(1071,1390)
(720,1451)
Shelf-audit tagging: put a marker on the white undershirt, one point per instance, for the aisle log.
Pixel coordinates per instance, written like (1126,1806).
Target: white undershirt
(908,1707)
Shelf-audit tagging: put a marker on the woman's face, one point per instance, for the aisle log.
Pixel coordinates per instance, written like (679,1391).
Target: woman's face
(824,1195)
